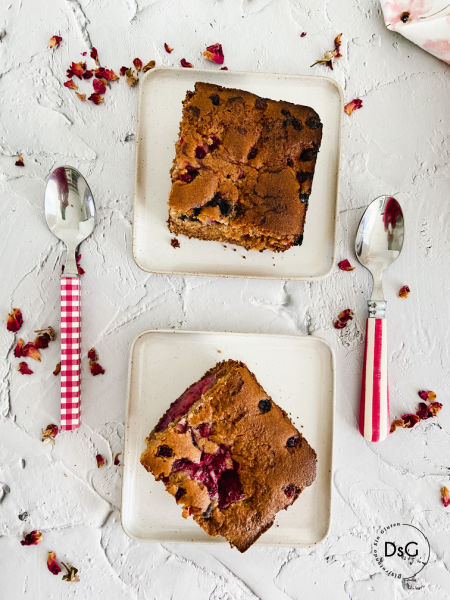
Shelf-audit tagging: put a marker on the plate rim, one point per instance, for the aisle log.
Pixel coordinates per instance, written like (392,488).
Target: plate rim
(310,338)
(137,156)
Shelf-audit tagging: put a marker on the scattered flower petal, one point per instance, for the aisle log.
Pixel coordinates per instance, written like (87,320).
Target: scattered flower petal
(131,79)
(99,85)
(49,433)
(445,496)
(345,265)
(329,56)
(397,423)
(57,369)
(81,271)
(214,53)
(353,105)
(137,62)
(116,459)
(96,368)
(123,70)
(434,408)
(15,320)
(343,318)
(339,324)
(71,574)
(70,84)
(404,292)
(18,348)
(167,48)
(76,69)
(224,68)
(48,332)
(19,162)
(32,539)
(82,97)
(186,64)
(54,41)
(24,369)
(92,354)
(150,65)
(410,420)
(94,54)
(96,98)
(29,350)
(337,46)
(52,564)
(427,395)
(108,74)
(100,461)
(423,412)
(303,34)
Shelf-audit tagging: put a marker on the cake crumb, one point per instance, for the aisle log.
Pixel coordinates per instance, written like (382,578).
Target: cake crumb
(244,257)
(174,243)
(219,351)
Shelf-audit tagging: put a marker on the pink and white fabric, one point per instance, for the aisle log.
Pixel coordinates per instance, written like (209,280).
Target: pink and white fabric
(423,22)
(374,420)
(70,352)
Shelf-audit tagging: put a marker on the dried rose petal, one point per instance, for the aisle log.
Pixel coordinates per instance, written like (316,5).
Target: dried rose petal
(404,292)
(445,496)
(224,68)
(116,459)
(214,53)
(76,69)
(30,351)
(123,70)
(71,574)
(303,34)
(24,369)
(94,54)
(52,564)
(345,316)
(48,332)
(57,369)
(54,41)
(427,395)
(167,48)
(70,84)
(19,162)
(108,74)
(49,433)
(81,271)
(32,539)
(88,74)
(100,460)
(339,324)
(99,85)
(96,368)
(96,98)
(18,348)
(423,412)
(329,56)
(345,265)
(397,423)
(337,46)
(353,105)
(150,65)
(15,320)
(82,97)
(186,64)
(434,408)
(410,420)
(92,354)
(137,62)
(132,80)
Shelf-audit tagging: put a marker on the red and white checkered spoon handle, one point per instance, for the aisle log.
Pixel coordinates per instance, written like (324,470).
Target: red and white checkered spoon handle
(70,352)
(374,411)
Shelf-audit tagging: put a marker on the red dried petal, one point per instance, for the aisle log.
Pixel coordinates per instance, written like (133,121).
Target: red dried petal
(82,97)
(18,348)
(339,324)
(329,56)
(42,342)
(445,496)
(50,432)
(410,420)
(94,54)
(167,48)
(137,62)
(345,265)
(100,460)
(19,162)
(150,65)
(337,46)
(214,53)
(116,459)
(76,69)
(434,408)
(15,320)
(55,41)
(108,74)
(88,74)
(52,564)
(30,351)
(92,354)
(404,292)
(303,34)
(96,98)
(123,70)
(32,539)
(99,85)
(96,368)
(427,395)
(353,105)
(397,423)
(24,369)
(186,64)
(345,315)
(81,271)
(224,68)
(57,369)
(70,84)
(423,411)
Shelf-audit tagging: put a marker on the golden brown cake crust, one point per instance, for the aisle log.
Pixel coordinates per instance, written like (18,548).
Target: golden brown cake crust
(234,459)
(243,168)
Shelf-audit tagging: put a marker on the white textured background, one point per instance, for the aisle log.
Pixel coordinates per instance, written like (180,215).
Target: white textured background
(398,143)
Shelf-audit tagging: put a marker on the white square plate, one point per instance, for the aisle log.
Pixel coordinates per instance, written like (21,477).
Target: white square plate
(161,94)
(298,372)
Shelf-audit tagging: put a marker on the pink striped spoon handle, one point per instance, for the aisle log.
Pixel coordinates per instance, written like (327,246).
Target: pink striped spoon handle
(70,352)
(374,423)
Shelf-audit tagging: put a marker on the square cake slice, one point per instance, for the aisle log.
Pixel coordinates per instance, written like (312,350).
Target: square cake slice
(229,455)
(243,168)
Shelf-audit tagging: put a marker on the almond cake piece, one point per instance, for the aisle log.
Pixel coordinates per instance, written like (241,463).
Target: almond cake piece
(229,455)
(243,168)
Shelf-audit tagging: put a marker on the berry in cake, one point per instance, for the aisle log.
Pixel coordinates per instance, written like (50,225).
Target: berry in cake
(229,455)
(243,168)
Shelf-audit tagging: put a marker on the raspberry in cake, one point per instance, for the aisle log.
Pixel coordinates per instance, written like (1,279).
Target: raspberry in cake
(230,455)
(243,168)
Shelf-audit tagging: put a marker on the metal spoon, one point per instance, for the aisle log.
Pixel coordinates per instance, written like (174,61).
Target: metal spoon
(378,243)
(70,215)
